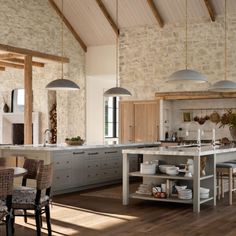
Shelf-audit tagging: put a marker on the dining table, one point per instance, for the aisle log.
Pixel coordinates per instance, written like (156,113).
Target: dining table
(18,171)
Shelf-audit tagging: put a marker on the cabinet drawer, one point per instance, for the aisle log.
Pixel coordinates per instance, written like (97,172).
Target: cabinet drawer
(62,163)
(92,165)
(93,177)
(112,152)
(94,154)
(61,179)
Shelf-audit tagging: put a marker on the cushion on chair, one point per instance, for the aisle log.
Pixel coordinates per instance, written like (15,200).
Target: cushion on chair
(26,195)
(3,207)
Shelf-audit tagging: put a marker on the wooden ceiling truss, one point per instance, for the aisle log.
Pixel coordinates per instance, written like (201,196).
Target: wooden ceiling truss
(156,13)
(69,26)
(108,17)
(210,10)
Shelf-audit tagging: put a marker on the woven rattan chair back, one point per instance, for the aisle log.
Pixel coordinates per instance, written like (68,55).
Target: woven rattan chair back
(6,182)
(44,180)
(32,166)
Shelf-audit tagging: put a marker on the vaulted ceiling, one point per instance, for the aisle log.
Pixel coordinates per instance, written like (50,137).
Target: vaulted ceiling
(92,27)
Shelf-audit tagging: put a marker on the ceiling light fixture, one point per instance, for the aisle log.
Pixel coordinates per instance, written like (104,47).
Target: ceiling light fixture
(224,85)
(117,91)
(183,76)
(62,84)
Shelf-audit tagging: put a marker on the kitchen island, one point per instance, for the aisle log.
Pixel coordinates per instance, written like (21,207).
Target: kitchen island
(77,167)
(179,155)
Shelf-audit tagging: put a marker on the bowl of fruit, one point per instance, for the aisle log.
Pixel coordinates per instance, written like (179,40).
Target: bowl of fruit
(74,141)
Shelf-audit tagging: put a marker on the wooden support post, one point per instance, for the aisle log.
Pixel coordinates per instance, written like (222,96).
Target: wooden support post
(28,101)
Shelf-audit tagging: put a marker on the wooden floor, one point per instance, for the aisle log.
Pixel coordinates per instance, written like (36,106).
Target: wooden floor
(85,215)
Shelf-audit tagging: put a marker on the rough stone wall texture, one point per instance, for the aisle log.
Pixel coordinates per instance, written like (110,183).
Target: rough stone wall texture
(33,24)
(149,54)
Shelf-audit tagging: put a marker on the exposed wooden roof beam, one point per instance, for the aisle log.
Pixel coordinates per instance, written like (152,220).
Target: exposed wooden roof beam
(32,53)
(12,65)
(2,68)
(108,16)
(210,10)
(69,26)
(22,61)
(156,13)
(8,55)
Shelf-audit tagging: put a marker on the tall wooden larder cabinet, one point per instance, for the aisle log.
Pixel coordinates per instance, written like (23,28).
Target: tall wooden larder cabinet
(139,121)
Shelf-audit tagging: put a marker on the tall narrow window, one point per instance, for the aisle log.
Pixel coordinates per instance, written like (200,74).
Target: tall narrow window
(111,117)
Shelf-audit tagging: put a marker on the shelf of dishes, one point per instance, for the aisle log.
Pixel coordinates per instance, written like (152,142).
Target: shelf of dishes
(166,176)
(169,199)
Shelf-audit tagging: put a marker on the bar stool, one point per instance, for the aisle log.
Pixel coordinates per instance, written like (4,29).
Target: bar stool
(225,170)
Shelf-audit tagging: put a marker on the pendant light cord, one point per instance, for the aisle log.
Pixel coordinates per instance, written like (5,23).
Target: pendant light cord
(117,48)
(186,34)
(225,39)
(62,40)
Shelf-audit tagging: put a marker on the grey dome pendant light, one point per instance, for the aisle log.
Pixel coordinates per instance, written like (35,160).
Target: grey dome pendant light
(117,91)
(62,84)
(224,85)
(183,76)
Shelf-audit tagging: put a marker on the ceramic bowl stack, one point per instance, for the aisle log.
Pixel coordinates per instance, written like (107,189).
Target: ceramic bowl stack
(185,194)
(204,192)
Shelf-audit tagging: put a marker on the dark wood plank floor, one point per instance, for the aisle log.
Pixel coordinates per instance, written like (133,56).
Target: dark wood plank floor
(84,215)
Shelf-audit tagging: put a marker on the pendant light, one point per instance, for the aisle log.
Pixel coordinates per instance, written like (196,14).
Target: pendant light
(62,84)
(117,91)
(224,85)
(183,76)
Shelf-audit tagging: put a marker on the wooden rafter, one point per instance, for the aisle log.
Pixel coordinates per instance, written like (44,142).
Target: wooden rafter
(108,16)
(12,65)
(8,55)
(69,26)
(156,13)
(33,53)
(210,10)
(22,61)
(2,68)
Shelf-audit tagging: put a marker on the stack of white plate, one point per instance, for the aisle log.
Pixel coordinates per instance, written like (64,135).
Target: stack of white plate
(204,192)
(185,194)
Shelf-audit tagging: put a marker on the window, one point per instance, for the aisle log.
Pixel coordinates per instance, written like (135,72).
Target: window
(18,100)
(111,117)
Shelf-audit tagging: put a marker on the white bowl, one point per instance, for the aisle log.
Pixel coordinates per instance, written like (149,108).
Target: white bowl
(162,168)
(179,188)
(204,190)
(204,195)
(172,170)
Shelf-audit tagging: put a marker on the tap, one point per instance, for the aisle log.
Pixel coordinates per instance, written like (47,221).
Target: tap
(45,136)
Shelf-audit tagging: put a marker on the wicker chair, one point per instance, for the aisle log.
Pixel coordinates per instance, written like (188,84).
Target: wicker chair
(32,166)
(36,199)
(6,185)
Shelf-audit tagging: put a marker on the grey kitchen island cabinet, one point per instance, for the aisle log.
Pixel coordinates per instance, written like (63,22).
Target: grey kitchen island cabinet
(78,167)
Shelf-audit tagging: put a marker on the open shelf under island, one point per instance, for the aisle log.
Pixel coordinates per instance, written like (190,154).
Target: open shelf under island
(178,155)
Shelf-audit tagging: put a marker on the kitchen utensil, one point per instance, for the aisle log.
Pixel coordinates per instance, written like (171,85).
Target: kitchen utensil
(172,170)
(204,190)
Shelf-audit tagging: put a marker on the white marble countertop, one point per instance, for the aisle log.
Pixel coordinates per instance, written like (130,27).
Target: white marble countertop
(181,150)
(60,147)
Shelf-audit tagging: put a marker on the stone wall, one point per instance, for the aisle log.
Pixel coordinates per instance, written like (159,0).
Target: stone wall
(34,24)
(149,54)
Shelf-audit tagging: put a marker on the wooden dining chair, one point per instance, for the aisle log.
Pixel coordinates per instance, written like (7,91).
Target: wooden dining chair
(6,185)
(36,199)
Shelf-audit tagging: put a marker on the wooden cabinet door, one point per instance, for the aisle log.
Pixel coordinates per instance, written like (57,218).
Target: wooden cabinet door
(146,121)
(126,122)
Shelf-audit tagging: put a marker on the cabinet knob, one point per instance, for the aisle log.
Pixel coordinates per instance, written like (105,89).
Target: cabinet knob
(78,153)
(92,153)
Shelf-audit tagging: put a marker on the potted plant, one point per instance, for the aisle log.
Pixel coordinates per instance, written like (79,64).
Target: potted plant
(229,119)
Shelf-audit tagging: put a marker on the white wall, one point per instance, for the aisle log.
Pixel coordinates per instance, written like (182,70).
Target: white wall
(100,76)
